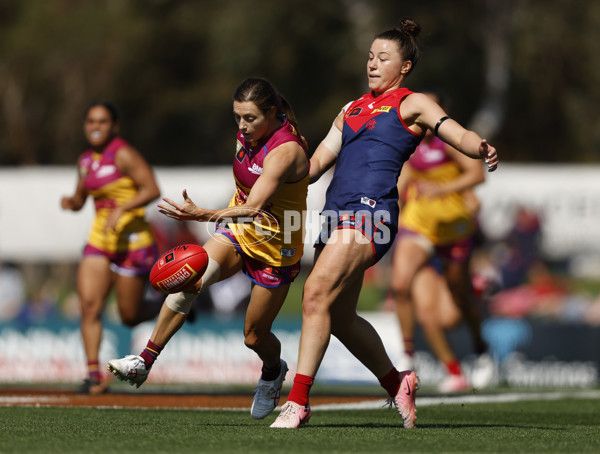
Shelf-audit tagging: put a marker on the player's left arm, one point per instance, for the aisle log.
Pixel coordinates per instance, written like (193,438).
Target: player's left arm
(424,113)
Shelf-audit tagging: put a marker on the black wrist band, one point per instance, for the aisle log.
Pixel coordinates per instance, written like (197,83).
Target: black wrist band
(437,126)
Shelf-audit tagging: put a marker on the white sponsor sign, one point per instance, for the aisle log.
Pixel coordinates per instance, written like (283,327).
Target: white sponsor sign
(34,227)
(566,197)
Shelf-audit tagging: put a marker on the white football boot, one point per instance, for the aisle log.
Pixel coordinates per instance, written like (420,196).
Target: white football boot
(131,369)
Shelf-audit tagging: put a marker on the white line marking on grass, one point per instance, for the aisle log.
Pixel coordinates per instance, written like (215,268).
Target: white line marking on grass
(45,401)
(470,399)
(12,400)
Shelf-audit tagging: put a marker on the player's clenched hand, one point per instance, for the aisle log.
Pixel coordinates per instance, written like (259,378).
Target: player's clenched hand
(186,211)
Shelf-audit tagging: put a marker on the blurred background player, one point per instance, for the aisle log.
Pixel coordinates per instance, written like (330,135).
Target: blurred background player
(437,233)
(121,248)
(271,170)
(369,142)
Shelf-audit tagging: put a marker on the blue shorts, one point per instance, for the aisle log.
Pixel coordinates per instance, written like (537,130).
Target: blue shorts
(380,234)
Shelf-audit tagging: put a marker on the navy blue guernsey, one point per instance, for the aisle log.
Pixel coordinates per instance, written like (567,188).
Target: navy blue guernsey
(375,145)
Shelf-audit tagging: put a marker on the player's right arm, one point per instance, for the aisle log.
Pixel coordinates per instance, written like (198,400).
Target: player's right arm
(327,152)
(76,201)
(282,164)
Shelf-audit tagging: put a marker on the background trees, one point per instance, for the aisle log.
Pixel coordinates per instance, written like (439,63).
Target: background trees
(525,74)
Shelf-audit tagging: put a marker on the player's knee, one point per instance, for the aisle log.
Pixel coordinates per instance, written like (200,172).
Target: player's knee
(90,309)
(252,339)
(400,289)
(312,299)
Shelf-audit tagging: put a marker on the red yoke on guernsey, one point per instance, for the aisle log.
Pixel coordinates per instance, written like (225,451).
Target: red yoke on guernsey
(276,236)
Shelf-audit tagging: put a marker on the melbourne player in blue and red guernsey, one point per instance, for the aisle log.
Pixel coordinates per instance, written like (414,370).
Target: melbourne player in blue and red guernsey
(271,170)
(369,142)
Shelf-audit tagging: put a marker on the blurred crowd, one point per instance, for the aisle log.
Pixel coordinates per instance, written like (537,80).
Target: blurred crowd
(520,282)
(510,275)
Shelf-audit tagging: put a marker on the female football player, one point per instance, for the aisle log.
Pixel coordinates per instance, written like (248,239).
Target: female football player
(121,248)
(369,142)
(271,170)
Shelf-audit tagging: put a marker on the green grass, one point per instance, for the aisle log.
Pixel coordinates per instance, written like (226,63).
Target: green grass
(533,427)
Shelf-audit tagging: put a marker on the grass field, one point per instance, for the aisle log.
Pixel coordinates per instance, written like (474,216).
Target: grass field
(534,425)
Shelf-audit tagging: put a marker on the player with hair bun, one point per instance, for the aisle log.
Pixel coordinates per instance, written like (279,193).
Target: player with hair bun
(271,171)
(121,248)
(369,142)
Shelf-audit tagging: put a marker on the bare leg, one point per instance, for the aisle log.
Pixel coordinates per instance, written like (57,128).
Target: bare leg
(133,308)
(94,280)
(167,324)
(170,321)
(264,306)
(409,257)
(430,293)
(357,334)
(338,271)
(459,283)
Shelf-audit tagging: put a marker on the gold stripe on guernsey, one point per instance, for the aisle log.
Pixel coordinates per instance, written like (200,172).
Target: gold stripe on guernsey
(443,219)
(265,239)
(133,232)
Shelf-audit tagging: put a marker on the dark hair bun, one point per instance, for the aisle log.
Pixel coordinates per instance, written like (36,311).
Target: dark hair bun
(409,27)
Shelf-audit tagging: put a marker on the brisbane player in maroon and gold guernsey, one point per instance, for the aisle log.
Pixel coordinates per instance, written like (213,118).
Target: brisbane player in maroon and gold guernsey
(271,172)
(121,248)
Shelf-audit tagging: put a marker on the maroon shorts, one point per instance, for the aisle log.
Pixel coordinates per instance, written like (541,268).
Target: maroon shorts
(128,263)
(260,273)
(458,252)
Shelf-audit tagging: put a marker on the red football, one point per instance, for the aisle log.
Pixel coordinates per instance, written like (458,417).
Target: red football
(179,268)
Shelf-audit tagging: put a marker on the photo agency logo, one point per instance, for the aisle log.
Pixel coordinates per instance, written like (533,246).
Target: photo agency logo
(256,227)
(262,227)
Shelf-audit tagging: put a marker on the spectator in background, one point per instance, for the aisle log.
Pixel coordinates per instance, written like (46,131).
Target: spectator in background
(519,250)
(12,291)
(121,248)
